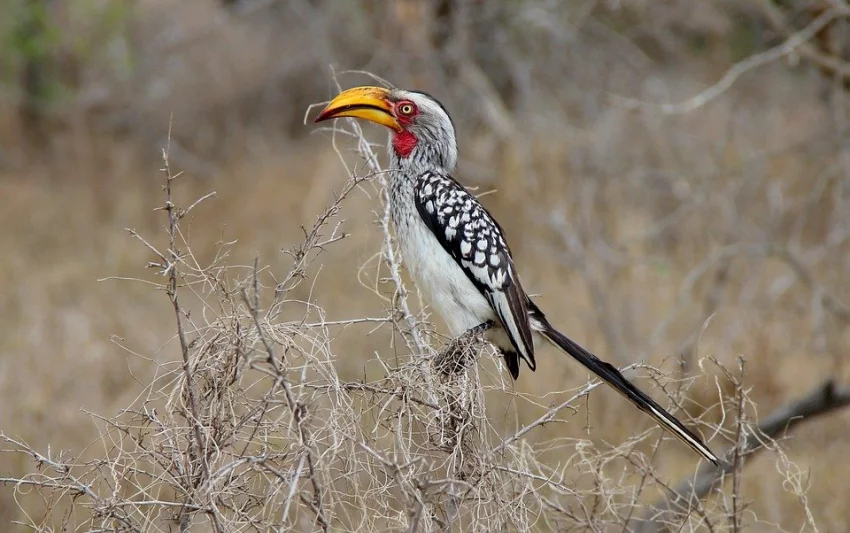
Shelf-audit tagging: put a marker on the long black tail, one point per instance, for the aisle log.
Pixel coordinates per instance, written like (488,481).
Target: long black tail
(615,379)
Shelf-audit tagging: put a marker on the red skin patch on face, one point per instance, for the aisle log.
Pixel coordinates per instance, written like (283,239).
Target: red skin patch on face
(404,142)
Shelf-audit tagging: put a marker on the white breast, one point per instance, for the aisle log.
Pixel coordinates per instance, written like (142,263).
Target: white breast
(444,284)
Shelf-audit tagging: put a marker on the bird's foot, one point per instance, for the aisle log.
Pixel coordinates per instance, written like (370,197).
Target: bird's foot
(454,358)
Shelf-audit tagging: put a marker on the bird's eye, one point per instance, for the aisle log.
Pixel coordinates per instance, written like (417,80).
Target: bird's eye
(406,109)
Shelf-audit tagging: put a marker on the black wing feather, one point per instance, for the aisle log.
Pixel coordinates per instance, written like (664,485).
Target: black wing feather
(467,231)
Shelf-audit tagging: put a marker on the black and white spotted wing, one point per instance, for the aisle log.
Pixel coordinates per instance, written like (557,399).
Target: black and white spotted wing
(474,239)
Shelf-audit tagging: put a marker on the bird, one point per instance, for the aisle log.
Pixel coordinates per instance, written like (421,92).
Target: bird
(455,250)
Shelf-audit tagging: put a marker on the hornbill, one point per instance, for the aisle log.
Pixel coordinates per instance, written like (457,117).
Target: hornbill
(456,252)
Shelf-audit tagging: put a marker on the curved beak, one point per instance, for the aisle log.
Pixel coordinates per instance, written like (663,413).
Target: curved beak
(369,103)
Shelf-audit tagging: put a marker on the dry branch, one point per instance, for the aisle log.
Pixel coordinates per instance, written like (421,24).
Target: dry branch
(822,400)
(170,268)
(244,424)
(830,63)
(794,42)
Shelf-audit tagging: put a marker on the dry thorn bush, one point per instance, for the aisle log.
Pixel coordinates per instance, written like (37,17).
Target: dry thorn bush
(251,428)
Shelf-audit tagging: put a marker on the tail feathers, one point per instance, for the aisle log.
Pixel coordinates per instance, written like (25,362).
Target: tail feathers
(610,375)
(512,362)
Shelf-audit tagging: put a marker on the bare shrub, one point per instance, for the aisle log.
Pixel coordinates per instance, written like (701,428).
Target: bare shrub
(251,428)
(247,423)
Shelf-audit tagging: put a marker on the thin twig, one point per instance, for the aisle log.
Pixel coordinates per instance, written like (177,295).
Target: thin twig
(169,261)
(742,67)
(823,399)
(550,414)
(297,409)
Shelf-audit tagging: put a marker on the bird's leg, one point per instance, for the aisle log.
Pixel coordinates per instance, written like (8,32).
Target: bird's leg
(455,356)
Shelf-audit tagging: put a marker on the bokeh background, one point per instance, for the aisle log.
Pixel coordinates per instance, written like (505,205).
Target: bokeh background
(650,235)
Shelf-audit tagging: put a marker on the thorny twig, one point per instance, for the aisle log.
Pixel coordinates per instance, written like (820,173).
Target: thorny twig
(298,410)
(170,268)
(550,415)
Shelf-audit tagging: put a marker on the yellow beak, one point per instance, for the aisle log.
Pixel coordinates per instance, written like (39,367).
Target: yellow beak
(369,103)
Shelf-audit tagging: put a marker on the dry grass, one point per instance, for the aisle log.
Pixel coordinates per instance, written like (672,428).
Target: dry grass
(684,242)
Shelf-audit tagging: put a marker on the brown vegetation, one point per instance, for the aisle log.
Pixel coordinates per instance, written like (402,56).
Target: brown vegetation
(704,244)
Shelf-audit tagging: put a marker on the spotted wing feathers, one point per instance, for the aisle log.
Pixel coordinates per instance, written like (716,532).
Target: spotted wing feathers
(474,239)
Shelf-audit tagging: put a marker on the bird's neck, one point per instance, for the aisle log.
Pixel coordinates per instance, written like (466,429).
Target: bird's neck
(404,170)
(410,159)
(413,157)
(408,168)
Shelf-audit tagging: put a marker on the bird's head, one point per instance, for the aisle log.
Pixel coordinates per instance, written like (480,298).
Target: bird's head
(423,133)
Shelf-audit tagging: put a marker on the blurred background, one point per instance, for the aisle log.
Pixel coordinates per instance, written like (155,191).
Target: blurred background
(715,230)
